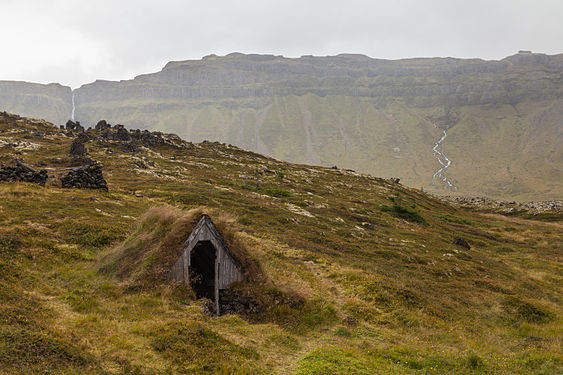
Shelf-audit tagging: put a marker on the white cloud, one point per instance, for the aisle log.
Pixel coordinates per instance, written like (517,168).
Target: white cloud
(75,42)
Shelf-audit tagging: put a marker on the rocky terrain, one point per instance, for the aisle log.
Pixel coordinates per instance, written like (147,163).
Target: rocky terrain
(507,206)
(381,117)
(358,274)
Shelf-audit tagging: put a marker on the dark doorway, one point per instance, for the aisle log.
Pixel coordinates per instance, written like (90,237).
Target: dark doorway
(202,270)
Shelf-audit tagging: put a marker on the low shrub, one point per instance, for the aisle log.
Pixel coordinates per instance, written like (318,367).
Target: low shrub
(405,213)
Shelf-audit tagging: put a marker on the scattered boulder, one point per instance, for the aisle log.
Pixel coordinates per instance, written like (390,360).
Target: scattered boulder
(102,125)
(71,125)
(151,139)
(367,225)
(77,148)
(232,302)
(140,164)
(86,177)
(24,173)
(461,242)
(122,134)
(130,146)
(395,180)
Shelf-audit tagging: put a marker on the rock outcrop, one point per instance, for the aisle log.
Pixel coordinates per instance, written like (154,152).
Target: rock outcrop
(102,125)
(505,206)
(461,242)
(77,148)
(75,126)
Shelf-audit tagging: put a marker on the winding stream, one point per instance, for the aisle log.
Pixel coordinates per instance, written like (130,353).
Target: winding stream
(443,160)
(73,108)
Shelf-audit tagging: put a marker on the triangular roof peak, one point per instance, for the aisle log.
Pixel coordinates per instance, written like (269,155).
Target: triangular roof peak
(213,261)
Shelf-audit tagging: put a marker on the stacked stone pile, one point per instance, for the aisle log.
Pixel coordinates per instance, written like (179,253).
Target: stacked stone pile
(87,177)
(24,173)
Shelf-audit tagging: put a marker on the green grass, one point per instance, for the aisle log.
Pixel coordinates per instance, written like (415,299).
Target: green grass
(406,213)
(347,288)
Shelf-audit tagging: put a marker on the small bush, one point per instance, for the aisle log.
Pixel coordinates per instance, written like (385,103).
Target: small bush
(9,243)
(405,213)
(526,311)
(343,332)
(474,362)
(452,219)
(273,191)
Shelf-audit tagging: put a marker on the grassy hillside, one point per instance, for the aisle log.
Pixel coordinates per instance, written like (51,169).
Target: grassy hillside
(498,150)
(377,116)
(360,273)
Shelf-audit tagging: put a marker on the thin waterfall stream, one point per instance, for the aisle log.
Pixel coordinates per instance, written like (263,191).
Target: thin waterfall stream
(444,161)
(73,108)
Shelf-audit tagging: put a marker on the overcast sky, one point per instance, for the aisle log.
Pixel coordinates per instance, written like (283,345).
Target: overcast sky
(77,41)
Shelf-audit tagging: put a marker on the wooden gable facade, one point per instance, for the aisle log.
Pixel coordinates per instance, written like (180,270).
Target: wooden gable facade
(205,263)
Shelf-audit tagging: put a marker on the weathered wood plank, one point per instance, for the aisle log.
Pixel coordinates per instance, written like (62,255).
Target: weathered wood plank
(227,269)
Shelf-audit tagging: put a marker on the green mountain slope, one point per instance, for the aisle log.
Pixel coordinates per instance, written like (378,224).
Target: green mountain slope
(52,102)
(503,118)
(360,275)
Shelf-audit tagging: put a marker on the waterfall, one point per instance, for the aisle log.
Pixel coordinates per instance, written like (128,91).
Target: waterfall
(444,161)
(73,108)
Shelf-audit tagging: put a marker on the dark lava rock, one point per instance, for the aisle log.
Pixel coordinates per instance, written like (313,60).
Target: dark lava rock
(24,173)
(151,139)
(71,125)
(77,148)
(231,302)
(131,146)
(122,134)
(367,225)
(89,177)
(102,125)
(140,164)
(461,242)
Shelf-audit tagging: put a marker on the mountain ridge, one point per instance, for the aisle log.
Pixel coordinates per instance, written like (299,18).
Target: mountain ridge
(374,115)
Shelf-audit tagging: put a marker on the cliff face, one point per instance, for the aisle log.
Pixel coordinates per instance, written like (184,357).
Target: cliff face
(423,82)
(383,117)
(51,102)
